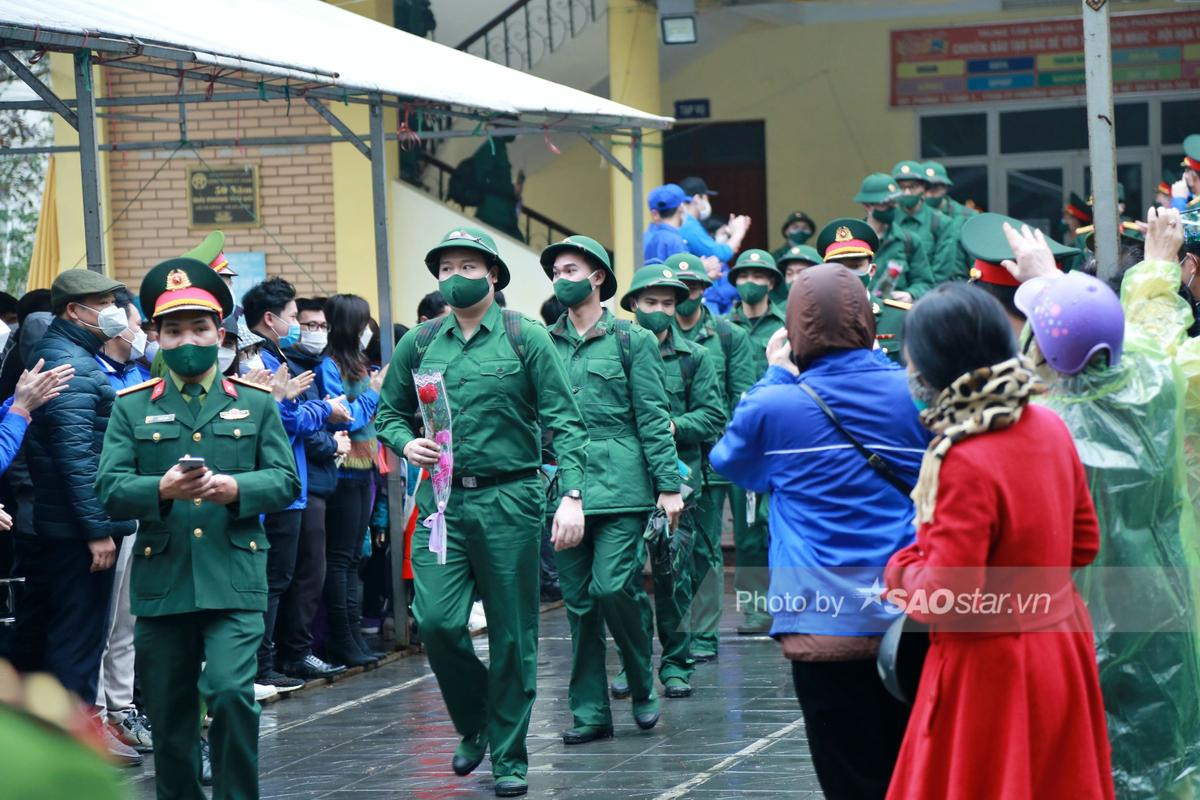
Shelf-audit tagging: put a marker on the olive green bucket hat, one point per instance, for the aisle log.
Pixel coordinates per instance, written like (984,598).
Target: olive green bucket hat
(469,239)
(654,274)
(878,187)
(754,259)
(590,248)
(688,267)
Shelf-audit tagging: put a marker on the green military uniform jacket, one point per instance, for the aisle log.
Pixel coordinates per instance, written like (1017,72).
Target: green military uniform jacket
(759,332)
(493,175)
(735,367)
(631,455)
(940,235)
(698,409)
(499,401)
(194,555)
(910,251)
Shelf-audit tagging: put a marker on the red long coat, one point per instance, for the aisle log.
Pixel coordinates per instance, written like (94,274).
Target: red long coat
(1013,711)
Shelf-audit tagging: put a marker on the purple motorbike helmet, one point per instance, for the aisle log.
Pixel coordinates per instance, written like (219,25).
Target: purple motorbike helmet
(1073,318)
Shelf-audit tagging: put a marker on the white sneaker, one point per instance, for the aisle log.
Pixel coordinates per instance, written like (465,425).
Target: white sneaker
(477,620)
(264,692)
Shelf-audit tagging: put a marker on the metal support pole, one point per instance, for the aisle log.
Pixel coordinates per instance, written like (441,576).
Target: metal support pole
(89,157)
(42,90)
(1097,55)
(636,180)
(383,280)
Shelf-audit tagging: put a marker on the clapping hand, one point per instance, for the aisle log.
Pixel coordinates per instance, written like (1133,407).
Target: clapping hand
(779,351)
(299,384)
(377,379)
(1033,256)
(35,388)
(1164,234)
(260,377)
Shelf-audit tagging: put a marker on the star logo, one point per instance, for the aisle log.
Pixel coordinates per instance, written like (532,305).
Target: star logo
(754,256)
(177,279)
(871,595)
(905,168)
(666,273)
(843,234)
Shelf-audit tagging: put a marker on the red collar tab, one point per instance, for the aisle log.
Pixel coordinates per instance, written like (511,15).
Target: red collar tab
(159,388)
(229,388)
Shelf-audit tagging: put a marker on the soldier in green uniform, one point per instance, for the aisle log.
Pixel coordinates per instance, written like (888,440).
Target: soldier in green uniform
(729,347)
(614,369)
(198,585)
(938,231)
(754,275)
(697,419)
(798,228)
(903,254)
(853,244)
(938,192)
(505,383)
(1191,169)
(791,262)
(486,182)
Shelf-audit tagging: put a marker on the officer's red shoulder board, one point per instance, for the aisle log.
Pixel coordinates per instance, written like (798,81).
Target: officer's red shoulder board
(241,382)
(139,387)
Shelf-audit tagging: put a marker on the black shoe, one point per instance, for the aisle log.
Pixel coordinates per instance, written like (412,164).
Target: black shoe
(677,687)
(582,734)
(205,763)
(619,686)
(469,754)
(280,681)
(511,786)
(361,641)
(648,720)
(551,593)
(310,667)
(702,657)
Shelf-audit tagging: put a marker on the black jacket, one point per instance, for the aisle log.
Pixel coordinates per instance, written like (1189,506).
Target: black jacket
(64,441)
(320,447)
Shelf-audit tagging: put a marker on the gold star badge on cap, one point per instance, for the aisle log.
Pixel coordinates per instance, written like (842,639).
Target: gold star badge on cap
(905,168)
(456,235)
(843,234)
(177,279)
(929,171)
(891,187)
(754,256)
(684,267)
(666,273)
(795,250)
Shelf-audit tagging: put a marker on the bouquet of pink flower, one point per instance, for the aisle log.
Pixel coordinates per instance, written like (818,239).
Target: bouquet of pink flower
(435,411)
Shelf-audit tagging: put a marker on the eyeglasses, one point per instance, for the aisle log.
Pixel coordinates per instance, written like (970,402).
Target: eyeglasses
(314,326)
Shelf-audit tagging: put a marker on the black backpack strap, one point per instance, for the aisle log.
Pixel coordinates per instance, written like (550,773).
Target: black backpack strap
(425,337)
(516,336)
(687,371)
(622,327)
(874,460)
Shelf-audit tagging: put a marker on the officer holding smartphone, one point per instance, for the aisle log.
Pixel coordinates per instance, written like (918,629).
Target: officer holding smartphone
(196,458)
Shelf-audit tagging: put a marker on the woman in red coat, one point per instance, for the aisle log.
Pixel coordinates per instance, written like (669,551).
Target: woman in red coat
(1009,703)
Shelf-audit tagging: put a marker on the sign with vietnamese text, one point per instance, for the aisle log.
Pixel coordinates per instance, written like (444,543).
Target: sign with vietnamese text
(223,196)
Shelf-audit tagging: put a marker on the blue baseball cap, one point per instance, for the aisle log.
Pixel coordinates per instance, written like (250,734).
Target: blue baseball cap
(666,198)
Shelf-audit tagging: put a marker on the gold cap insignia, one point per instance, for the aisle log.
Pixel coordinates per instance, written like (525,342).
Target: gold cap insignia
(929,171)
(843,234)
(976,273)
(666,273)
(905,168)
(177,279)
(891,187)
(684,267)
(456,235)
(795,250)
(754,256)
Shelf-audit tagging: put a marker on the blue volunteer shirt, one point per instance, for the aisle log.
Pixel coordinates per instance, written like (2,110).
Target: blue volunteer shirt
(662,241)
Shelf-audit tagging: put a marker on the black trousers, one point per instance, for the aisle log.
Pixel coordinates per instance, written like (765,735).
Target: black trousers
(62,614)
(347,516)
(298,606)
(283,534)
(854,727)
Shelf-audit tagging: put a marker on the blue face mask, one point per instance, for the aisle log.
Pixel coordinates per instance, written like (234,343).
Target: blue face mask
(291,337)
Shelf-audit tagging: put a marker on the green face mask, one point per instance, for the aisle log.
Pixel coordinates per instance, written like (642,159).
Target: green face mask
(685,308)
(572,293)
(464,292)
(909,201)
(653,321)
(799,237)
(935,202)
(190,360)
(884,215)
(752,293)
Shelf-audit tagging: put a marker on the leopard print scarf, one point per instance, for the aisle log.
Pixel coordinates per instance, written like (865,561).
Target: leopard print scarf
(987,399)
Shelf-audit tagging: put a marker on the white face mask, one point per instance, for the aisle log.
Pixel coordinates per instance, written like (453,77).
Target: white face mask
(110,320)
(151,350)
(137,348)
(313,342)
(365,338)
(225,357)
(5,332)
(250,363)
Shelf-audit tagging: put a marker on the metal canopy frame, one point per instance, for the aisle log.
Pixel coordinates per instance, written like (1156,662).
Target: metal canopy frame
(312,87)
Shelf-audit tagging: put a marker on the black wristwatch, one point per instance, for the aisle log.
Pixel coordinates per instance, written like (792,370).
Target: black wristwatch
(574,494)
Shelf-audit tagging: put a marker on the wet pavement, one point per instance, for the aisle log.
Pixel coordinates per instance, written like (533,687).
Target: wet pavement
(385,734)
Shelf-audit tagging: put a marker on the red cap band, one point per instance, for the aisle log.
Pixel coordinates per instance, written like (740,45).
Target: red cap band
(987,272)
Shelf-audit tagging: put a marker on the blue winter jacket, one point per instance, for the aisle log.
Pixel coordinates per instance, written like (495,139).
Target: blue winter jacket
(834,522)
(301,417)
(12,434)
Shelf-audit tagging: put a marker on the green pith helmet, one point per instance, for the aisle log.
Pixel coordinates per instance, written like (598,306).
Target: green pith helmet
(589,247)
(878,187)
(754,259)
(796,216)
(937,173)
(655,273)
(688,267)
(469,239)
(1131,233)
(909,171)
(847,238)
(798,252)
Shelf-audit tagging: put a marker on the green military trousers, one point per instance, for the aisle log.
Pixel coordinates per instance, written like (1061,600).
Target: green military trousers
(492,544)
(170,650)
(708,569)
(751,578)
(601,581)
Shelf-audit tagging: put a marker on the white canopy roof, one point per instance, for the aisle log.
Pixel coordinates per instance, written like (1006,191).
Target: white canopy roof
(313,41)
